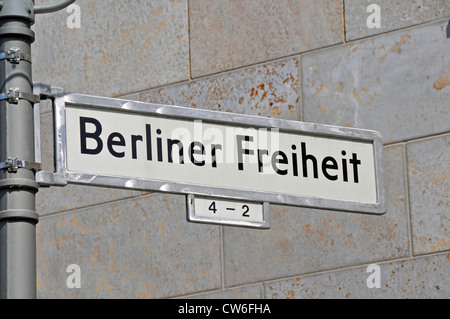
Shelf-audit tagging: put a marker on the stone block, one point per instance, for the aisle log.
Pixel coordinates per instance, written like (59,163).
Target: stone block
(394,14)
(139,248)
(121,47)
(429,194)
(397,84)
(416,278)
(266,90)
(229,34)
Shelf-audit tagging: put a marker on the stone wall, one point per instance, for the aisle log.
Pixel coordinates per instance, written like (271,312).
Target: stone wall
(313,61)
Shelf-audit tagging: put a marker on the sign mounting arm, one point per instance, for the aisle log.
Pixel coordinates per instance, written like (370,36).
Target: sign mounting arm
(53,7)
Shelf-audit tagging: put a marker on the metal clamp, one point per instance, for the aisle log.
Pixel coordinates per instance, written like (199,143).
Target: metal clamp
(15,56)
(12,164)
(14,95)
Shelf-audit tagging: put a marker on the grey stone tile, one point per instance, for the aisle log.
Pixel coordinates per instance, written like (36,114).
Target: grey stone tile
(429,191)
(121,47)
(394,14)
(305,240)
(271,89)
(230,34)
(140,248)
(414,278)
(397,84)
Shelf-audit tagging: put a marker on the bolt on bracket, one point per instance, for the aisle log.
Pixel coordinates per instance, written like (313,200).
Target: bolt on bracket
(12,164)
(14,55)
(14,95)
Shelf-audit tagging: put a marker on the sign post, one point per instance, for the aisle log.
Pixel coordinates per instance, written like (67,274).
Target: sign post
(17,182)
(18,162)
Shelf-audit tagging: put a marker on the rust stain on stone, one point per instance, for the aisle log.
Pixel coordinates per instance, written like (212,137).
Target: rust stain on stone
(94,257)
(351,52)
(60,241)
(441,82)
(442,244)
(75,223)
(397,47)
(356,96)
(359,93)
(276,111)
(264,96)
(340,89)
(126,33)
(161,228)
(320,88)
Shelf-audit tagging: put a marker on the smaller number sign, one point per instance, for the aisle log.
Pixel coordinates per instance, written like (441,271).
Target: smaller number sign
(227,212)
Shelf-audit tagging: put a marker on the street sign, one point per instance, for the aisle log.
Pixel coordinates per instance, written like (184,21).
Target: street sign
(227,212)
(135,145)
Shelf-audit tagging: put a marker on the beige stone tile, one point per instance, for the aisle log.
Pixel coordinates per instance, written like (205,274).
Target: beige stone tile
(230,34)
(121,47)
(139,248)
(397,84)
(271,90)
(429,194)
(418,278)
(394,14)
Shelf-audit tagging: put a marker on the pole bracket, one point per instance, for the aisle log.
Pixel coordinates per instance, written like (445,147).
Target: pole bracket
(12,164)
(18,214)
(14,95)
(15,56)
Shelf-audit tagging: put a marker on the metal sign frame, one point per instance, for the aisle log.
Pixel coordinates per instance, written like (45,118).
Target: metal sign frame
(61,176)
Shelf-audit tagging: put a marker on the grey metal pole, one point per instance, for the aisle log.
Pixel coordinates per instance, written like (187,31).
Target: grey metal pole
(18,218)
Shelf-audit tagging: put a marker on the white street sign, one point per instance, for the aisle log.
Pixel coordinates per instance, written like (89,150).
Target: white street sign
(119,143)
